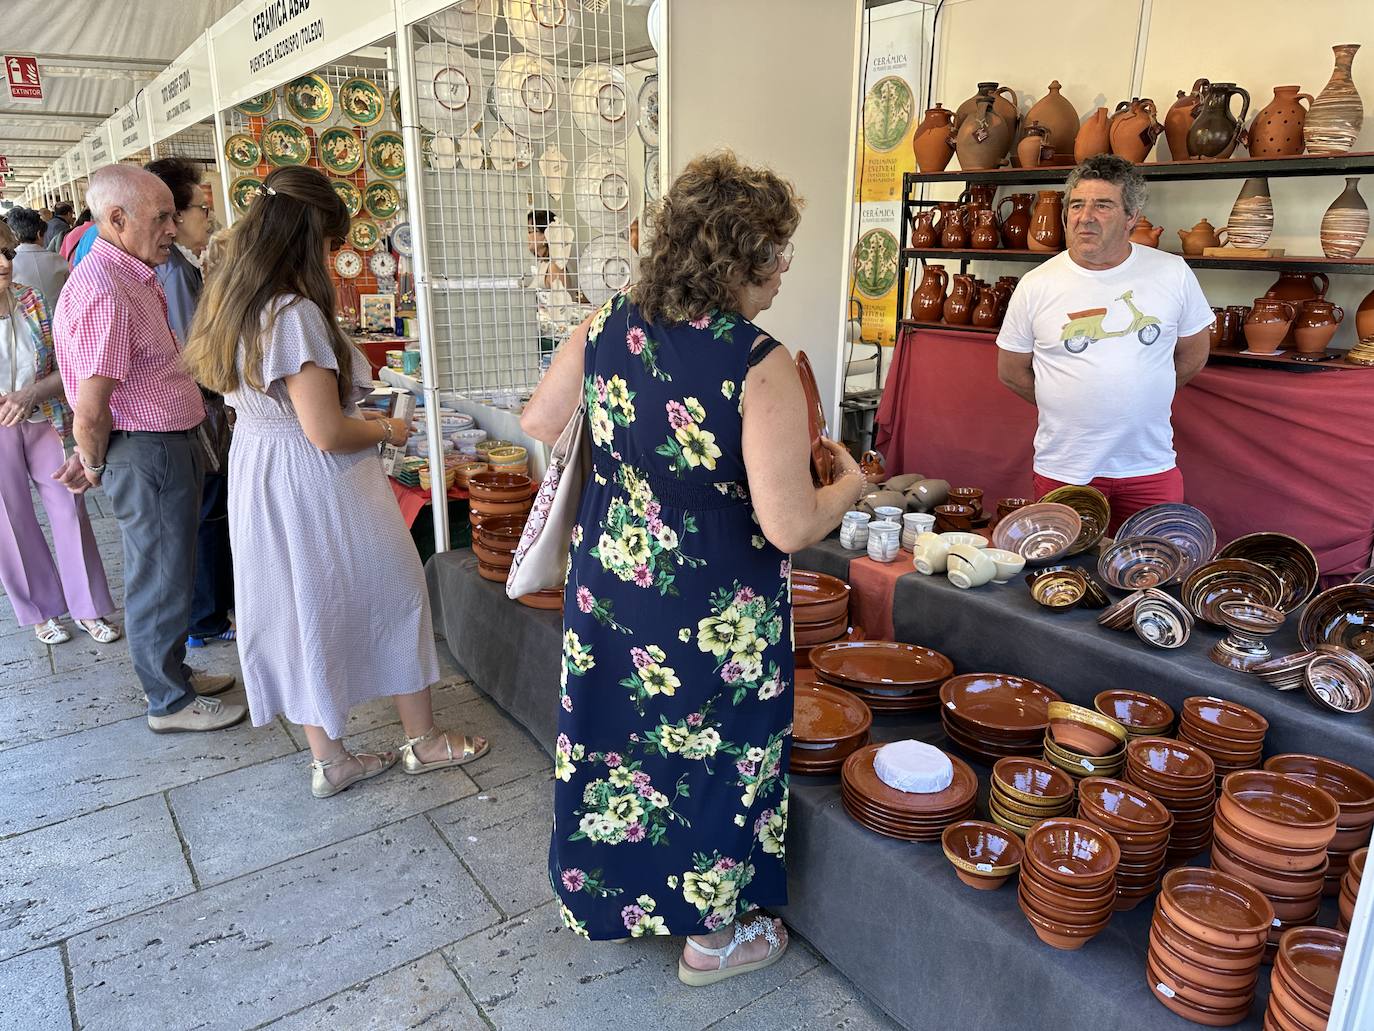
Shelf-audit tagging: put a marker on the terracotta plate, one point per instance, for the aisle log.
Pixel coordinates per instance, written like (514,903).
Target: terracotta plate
(861,777)
(821,713)
(999,701)
(815,417)
(810,588)
(867,664)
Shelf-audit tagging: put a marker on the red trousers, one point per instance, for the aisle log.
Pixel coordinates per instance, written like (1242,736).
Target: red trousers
(1127,495)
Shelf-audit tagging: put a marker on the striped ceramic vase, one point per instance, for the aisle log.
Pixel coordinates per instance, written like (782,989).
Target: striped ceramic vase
(1252,216)
(1334,121)
(1346,223)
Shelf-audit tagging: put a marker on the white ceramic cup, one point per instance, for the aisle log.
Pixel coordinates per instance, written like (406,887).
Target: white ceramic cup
(930,554)
(888,514)
(919,522)
(969,566)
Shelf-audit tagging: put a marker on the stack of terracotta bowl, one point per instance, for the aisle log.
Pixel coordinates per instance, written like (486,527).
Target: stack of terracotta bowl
(498,494)
(994,715)
(1185,527)
(1350,888)
(1206,945)
(1093,510)
(1083,742)
(889,676)
(911,816)
(1354,794)
(1303,987)
(983,856)
(511,458)
(1038,533)
(1026,791)
(1231,733)
(494,543)
(1068,881)
(1139,824)
(1273,831)
(1143,715)
(820,608)
(1183,777)
(828,725)
(464,469)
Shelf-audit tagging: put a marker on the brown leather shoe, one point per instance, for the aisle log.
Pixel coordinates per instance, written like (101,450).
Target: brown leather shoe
(201,715)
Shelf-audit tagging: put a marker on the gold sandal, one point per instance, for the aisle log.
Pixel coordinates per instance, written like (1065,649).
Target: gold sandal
(411,763)
(320,785)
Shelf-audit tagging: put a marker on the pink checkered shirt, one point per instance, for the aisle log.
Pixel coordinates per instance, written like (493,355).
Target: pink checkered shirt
(112,321)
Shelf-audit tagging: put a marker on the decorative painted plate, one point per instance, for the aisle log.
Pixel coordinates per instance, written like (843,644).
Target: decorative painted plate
(350,195)
(396,106)
(601,193)
(382,264)
(450,87)
(363,101)
(381,200)
(243,191)
(652,189)
(648,111)
(386,153)
(364,234)
(601,105)
(530,96)
(604,267)
(545,27)
(259,105)
(348,264)
(466,22)
(285,143)
(401,241)
(309,98)
(242,151)
(341,150)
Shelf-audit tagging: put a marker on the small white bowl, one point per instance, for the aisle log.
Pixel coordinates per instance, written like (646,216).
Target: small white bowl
(1008,564)
(953,537)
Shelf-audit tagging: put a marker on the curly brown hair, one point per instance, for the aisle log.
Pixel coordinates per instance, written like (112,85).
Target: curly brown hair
(721,225)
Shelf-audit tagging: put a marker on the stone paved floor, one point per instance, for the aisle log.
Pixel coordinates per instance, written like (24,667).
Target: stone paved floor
(190,881)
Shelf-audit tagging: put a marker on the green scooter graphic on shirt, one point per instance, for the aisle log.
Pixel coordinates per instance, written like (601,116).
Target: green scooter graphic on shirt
(1085,327)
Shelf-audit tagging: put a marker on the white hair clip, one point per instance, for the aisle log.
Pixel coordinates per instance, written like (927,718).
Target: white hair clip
(267,191)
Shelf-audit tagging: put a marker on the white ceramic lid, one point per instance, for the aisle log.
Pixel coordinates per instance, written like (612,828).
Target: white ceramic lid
(914,767)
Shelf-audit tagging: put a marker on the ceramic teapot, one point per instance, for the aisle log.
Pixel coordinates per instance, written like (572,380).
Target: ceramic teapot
(1134,129)
(933,141)
(1180,118)
(1145,233)
(1200,237)
(1215,131)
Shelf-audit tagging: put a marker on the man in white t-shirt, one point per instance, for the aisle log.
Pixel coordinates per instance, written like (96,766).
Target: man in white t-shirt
(1099,338)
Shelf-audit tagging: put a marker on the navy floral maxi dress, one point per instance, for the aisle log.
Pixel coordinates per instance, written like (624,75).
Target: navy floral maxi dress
(670,800)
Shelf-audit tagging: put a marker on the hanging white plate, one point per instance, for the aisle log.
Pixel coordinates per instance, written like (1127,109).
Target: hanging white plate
(451,88)
(604,267)
(553,166)
(509,152)
(382,264)
(530,96)
(651,186)
(601,193)
(648,111)
(348,264)
(542,26)
(400,240)
(467,21)
(560,236)
(601,104)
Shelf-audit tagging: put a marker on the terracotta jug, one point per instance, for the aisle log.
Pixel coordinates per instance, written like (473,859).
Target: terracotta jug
(1316,324)
(960,302)
(1214,331)
(1200,237)
(1334,121)
(984,138)
(1364,319)
(1298,287)
(1004,287)
(954,228)
(1268,324)
(923,229)
(1092,137)
(933,142)
(1134,129)
(1179,118)
(1233,330)
(1252,216)
(1047,222)
(984,236)
(1033,151)
(1215,131)
(943,209)
(1346,223)
(1146,234)
(1276,131)
(1005,103)
(1016,225)
(978,195)
(1060,120)
(928,302)
(985,312)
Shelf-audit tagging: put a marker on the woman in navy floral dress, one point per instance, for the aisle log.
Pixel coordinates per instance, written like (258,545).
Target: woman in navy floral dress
(671,763)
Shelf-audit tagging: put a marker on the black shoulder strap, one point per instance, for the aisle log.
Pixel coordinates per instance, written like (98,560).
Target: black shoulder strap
(762,349)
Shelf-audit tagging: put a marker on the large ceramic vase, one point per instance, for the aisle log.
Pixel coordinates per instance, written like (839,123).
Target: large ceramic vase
(1298,287)
(1060,120)
(1215,131)
(1047,222)
(1333,123)
(1092,137)
(1346,223)
(1134,129)
(984,138)
(1016,225)
(959,304)
(1252,216)
(1317,322)
(1268,324)
(928,302)
(1005,103)
(1276,131)
(1179,118)
(933,142)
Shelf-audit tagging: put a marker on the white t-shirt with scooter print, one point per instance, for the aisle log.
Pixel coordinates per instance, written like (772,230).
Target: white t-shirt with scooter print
(1103,346)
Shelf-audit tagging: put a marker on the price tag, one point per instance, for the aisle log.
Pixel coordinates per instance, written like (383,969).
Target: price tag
(949,705)
(1277,922)
(1164,989)
(984,868)
(1089,766)
(981,132)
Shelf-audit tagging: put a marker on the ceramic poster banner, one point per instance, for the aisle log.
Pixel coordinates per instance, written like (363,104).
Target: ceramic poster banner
(181,95)
(873,279)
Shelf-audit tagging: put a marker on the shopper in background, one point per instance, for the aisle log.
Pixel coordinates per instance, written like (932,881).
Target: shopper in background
(136,416)
(1099,338)
(84,227)
(670,800)
(33,420)
(332,605)
(34,265)
(58,227)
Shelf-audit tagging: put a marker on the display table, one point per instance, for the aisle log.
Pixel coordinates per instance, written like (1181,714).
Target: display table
(1259,449)
(414,499)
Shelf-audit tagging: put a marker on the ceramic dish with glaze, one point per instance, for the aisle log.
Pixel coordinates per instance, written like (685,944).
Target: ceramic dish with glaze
(465,22)
(983,855)
(284,143)
(363,234)
(381,200)
(1121,615)
(362,101)
(1085,731)
(530,96)
(309,98)
(1143,715)
(242,152)
(604,268)
(545,27)
(341,150)
(996,703)
(1160,620)
(1139,562)
(888,664)
(350,195)
(1184,526)
(1342,615)
(243,191)
(256,107)
(1290,559)
(451,87)
(1038,533)
(821,463)
(1058,590)
(1093,511)
(1284,672)
(1033,782)
(1339,680)
(1206,587)
(823,714)
(386,154)
(601,105)
(601,193)
(817,597)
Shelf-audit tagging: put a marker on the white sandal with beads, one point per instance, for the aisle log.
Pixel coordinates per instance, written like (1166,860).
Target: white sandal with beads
(102,631)
(744,932)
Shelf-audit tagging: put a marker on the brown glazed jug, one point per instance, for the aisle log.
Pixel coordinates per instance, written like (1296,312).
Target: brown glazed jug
(933,142)
(1298,287)
(1033,151)
(1214,331)
(1179,118)
(984,138)
(944,209)
(1200,237)
(1268,324)
(928,302)
(1016,225)
(1003,288)
(923,229)
(1316,324)
(1276,131)
(960,302)
(1005,103)
(1364,319)
(984,236)
(954,228)
(1333,123)
(1134,129)
(1145,233)
(1092,137)
(1233,329)
(985,312)
(1060,120)
(1047,222)
(1215,131)
(978,195)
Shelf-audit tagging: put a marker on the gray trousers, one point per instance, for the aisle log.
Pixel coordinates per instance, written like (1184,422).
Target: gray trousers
(153,481)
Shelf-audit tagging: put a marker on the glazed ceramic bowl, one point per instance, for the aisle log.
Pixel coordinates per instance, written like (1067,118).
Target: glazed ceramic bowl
(1070,907)
(1059,590)
(1058,935)
(999,704)
(1094,513)
(1078,765)
(1072,853)
(972,540)
(1008,564)
(1160,621)
(1122,806)
(969,496)
(818,597)
(1278,809)
(1339,680)
(1139,562)
(1143,715)
(498,486)
(1171,956)
(1284,672)
(1221,579)
(1352,789)
(982,854)
(1290,559)
(1038,533)
(1309,960)
(1085,731)
(1032,782)
(1270,857)
(1215,907)
(1172,762)
(1266,879)
(1121,615)
(1184,526)
(1227,719)
(954,517)
(1203,953)
(1341,616)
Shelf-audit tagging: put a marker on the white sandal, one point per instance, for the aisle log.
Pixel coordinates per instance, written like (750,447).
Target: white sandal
(744,932)
(52,632)
(102,631)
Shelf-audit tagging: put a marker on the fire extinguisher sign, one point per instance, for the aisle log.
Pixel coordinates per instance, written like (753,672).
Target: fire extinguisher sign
(21,72)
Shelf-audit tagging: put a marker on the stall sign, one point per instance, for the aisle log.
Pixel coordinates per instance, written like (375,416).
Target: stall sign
(129,128)
(98,148)
(26,85)
(181,95)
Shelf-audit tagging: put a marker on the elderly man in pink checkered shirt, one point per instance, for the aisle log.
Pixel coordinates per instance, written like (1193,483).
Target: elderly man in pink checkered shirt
(136,413)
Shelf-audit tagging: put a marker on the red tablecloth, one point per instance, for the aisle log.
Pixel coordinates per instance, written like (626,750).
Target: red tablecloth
(413,499)
(1259,449)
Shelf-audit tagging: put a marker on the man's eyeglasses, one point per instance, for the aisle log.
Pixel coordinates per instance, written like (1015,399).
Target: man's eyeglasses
(181,215)
(8,252)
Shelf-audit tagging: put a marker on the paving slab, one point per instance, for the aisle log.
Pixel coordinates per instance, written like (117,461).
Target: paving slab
(820,998)
(381,712)
(222,818)
(35,708)
(34,990)
(268,944)
(23,663)
(81,651)
(420,996)
(514,753)
(21,646)
(530,972)
(64,879)
(502,834)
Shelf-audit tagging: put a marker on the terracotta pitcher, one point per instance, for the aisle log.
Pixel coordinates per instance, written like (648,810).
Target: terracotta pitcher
(1333,123)
(1179,118)
(1145,233)
(1060,120)
(928,302)
(959,304)
(923,229)
(1016,225)
(954,228)
(1033,150)
(1364,319)
(986,311)
(984,236)
(1215,131)
(1276,131)
(1298,287)
(1003,288)
(978,195)
(1268,324)
(1134,129)
(984,138)
(1233,329)
(933,142)
(943,209)
(1317,322)
(1047,222)
(1214,331)
(1005,103)
(1200,237)
(1092,137)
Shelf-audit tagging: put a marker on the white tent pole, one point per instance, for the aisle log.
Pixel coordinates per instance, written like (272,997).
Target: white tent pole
(229,213)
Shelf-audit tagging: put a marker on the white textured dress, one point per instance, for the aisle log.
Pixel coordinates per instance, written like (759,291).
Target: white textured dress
(332,608)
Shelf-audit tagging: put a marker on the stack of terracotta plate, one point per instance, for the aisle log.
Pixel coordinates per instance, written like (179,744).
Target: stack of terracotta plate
(1286,672)
(1273,831)
(994,715)
(801,654)
(820,608)
(1206,945)
(1068,881)
(888,675)
(1354,794)
(1143,715)
(1350,888)
(1083,742)
(493,494)
(494,543)
(1183,777)
(1026,791)
(911,816)
(828,725)
(1231,733)
(1303,987)
(1139,824)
